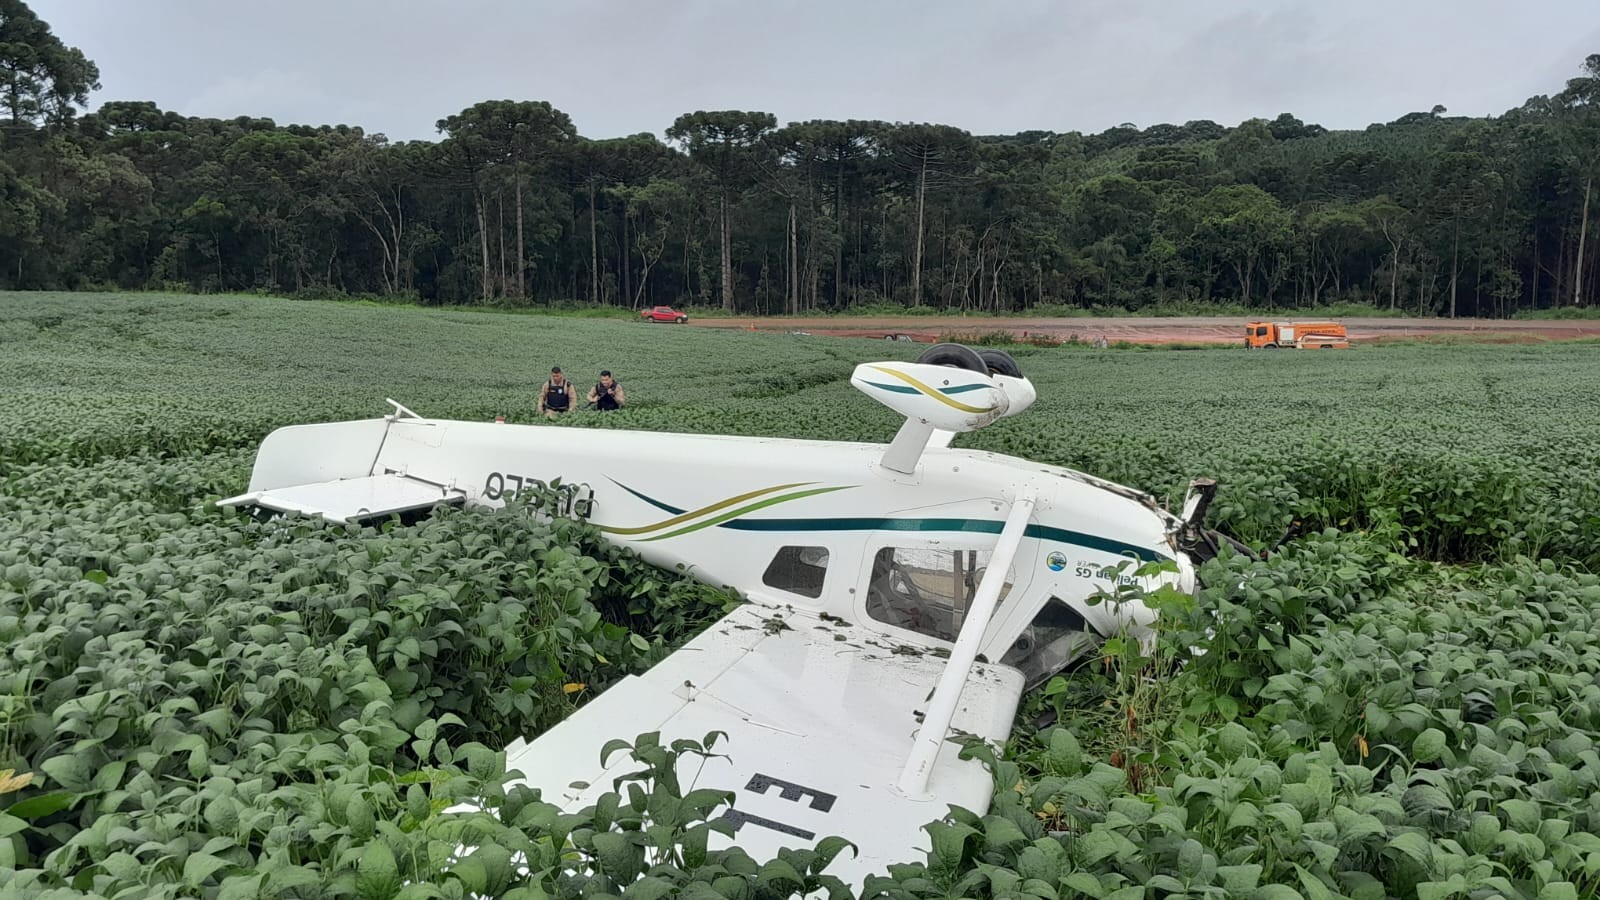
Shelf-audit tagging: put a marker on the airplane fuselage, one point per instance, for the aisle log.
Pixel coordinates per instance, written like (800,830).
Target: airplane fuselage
(742,511)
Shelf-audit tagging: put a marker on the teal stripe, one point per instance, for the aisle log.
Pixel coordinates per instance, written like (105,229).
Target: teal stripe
(650,500)
(966,526)
(897,388)
(907,389)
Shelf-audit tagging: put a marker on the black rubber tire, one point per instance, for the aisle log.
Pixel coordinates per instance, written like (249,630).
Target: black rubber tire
(959,356)
(1001,362)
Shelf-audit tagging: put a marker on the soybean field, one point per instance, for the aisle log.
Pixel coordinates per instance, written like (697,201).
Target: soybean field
(1401,700)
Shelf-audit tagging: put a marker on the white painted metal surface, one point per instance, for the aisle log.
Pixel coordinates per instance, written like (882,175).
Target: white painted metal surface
(819,717)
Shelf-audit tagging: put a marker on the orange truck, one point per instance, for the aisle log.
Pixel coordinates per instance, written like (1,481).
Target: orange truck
(1298,335)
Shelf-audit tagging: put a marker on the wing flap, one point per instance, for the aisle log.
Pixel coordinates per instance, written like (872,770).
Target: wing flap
(350,499)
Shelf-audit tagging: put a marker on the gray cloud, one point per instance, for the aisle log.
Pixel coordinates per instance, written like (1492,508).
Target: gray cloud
(624,67)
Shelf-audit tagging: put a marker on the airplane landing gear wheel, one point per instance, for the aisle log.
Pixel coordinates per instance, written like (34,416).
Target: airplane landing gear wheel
(1001,363)
(958,355)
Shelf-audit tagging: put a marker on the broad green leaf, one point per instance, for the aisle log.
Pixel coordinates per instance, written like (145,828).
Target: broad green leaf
(1522,815)
(1428,746)
(949,843)
(1239,879)
(377,874)
(1414,846)
(41,805)
(649,888)
(10,825)
(1102,844)
(1084,883)
(777,875)
(241,887)
(1064,756)
(201,866)
(618,856)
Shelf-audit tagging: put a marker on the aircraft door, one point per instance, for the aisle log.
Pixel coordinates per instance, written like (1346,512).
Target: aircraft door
(923,585)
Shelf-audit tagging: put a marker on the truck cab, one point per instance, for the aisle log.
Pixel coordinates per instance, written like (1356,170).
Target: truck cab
(1260,334)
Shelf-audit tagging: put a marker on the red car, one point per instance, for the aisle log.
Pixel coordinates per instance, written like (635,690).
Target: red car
(663,314)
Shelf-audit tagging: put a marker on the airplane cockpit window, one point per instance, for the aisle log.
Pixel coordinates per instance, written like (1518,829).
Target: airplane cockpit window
(1055,639)
(798,570)
(926,590)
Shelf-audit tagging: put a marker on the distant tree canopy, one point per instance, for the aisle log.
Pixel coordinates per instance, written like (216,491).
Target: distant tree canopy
(1430,213)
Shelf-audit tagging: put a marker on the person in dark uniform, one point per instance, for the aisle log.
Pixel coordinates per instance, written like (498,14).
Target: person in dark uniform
(556,395)
(608,393)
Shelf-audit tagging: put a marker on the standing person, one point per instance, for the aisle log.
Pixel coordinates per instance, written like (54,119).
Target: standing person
(556,395)
(608,393)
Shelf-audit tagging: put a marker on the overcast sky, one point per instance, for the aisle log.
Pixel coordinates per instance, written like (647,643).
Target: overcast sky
(617,68)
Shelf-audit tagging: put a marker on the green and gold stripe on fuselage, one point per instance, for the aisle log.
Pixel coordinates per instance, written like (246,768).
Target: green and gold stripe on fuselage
(734,521)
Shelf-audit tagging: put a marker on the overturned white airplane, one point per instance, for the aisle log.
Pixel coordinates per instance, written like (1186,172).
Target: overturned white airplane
(899,594)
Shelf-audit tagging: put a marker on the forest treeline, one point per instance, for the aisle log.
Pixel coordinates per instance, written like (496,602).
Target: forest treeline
(1432,213)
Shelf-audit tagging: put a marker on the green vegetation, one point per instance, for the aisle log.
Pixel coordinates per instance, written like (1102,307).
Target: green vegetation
(1401,701)
(1432,214)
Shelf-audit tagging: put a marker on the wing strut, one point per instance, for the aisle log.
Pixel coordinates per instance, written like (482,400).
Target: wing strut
(947,693)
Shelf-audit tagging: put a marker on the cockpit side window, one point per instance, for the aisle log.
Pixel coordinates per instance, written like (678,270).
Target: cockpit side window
(927,590)
(1055,639)
(798,570)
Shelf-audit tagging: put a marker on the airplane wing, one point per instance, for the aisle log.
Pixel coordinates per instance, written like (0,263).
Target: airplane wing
(820,717)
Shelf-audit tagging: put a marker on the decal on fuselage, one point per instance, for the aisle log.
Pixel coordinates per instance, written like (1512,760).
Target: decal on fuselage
(573,501)
(1087,569)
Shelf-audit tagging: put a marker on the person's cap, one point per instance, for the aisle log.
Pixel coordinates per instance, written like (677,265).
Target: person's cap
(555,370)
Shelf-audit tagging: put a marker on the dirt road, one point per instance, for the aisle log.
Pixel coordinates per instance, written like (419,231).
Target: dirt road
(1154,329)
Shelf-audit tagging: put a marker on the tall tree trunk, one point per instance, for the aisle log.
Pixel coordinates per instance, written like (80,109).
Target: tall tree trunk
(594,251)
(1583,236)
(1533,290)
(500,218)
(1561,270)
(794,263)
(628,260)
(627,264)
(1244,270)
(966,286)
(1455,266)
(727,255)
(397,226)
(483,239)
(521,263)
(1394,276)
(813,270)
(1477,290)
(916,266)
(838,218)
